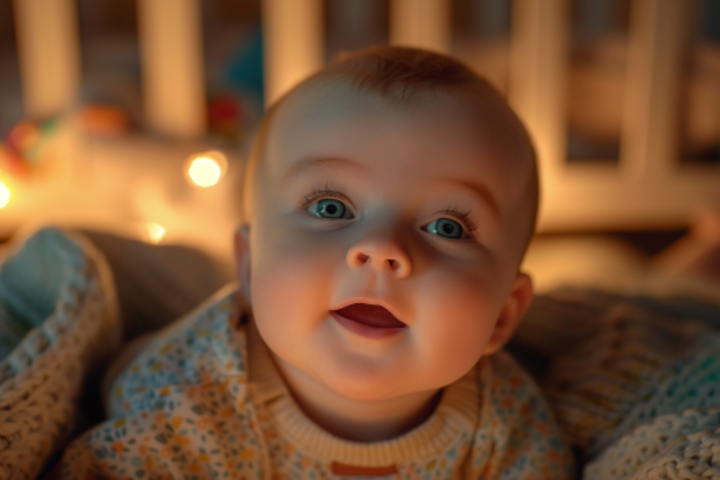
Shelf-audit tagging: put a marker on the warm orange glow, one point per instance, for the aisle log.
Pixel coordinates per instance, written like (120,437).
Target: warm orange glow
(152,232)
(206,169)
(4,195)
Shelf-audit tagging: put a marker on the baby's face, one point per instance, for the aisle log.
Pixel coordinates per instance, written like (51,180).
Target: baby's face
(419,208)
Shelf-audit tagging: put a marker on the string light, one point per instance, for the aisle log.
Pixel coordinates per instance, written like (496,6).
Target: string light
(204,172)
(152,232)
(4,195)
(206,169)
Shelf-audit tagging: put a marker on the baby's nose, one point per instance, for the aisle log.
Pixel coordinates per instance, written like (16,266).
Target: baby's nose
(382,252)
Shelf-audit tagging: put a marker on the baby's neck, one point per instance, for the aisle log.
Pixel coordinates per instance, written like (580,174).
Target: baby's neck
(356,420)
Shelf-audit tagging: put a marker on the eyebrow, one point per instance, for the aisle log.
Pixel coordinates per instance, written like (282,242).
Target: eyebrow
(480,192)
(312,163)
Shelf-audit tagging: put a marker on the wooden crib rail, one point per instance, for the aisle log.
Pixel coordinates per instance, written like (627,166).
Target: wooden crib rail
(649,187)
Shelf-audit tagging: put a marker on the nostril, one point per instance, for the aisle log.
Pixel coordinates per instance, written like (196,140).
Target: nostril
(396,262)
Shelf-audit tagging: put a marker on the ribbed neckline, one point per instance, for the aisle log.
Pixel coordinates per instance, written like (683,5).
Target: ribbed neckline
(454,420)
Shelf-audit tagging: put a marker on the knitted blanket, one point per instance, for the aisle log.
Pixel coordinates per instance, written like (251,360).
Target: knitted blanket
(635,385)
(63,298)
(58,289)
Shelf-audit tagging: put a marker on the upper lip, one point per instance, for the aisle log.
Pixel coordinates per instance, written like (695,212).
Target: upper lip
(370,301)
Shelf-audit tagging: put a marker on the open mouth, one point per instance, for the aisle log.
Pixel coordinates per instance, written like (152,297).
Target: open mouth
(370,315)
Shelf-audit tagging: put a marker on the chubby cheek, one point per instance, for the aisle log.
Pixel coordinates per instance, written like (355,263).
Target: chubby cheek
(291,280)
(457,320)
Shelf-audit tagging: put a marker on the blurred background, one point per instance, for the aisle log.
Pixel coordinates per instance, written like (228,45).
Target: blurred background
(135,117)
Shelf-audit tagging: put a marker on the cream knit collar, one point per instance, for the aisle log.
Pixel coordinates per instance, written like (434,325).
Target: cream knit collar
(454,420)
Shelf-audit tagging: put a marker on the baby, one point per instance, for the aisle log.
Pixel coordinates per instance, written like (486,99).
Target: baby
(388,202)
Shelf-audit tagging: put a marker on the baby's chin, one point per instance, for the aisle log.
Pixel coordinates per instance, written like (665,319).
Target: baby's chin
(362,384)
(349,380)
(363,389)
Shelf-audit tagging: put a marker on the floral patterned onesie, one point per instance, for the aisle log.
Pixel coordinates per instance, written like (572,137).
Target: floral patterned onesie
(204,401)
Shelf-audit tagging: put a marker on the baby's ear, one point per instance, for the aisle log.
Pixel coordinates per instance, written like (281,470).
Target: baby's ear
(513,311)
(242,260)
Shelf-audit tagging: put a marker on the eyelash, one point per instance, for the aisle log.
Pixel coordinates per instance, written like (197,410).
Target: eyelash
(462,217)
(306,200)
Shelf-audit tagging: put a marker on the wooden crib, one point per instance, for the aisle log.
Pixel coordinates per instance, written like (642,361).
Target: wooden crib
(647,188)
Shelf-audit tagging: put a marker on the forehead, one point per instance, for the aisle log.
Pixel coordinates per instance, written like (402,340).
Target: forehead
(451,134)
(334,105)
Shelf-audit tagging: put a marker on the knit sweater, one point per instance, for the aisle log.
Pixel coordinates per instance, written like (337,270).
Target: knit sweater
(204,400)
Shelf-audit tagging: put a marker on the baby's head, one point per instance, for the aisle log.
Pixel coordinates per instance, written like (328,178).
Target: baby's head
(395,178)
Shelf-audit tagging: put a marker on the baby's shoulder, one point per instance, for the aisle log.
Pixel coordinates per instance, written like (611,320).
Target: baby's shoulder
(204,347)
(501,372)
(513,398)
(507,374)
(519,424)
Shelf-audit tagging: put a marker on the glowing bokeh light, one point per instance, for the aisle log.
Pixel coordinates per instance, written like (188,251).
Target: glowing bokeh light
(205,169)
(153,232)
(4,195)
(205,172)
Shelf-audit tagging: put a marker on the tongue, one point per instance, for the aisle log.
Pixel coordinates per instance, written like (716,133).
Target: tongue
(371,315)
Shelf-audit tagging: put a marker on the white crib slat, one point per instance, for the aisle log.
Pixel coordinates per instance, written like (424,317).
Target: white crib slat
(293,43)
(658,36)
(49,55)
(421,24)
(173,73)
(600,199)
(537,75)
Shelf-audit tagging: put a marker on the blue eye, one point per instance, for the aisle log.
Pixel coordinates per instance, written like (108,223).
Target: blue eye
(445,227)
(330,208)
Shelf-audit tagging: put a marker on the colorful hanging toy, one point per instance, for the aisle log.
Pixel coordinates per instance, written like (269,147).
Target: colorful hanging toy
(24,145)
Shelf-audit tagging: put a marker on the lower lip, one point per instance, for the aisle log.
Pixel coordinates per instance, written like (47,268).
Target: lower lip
(365,330)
